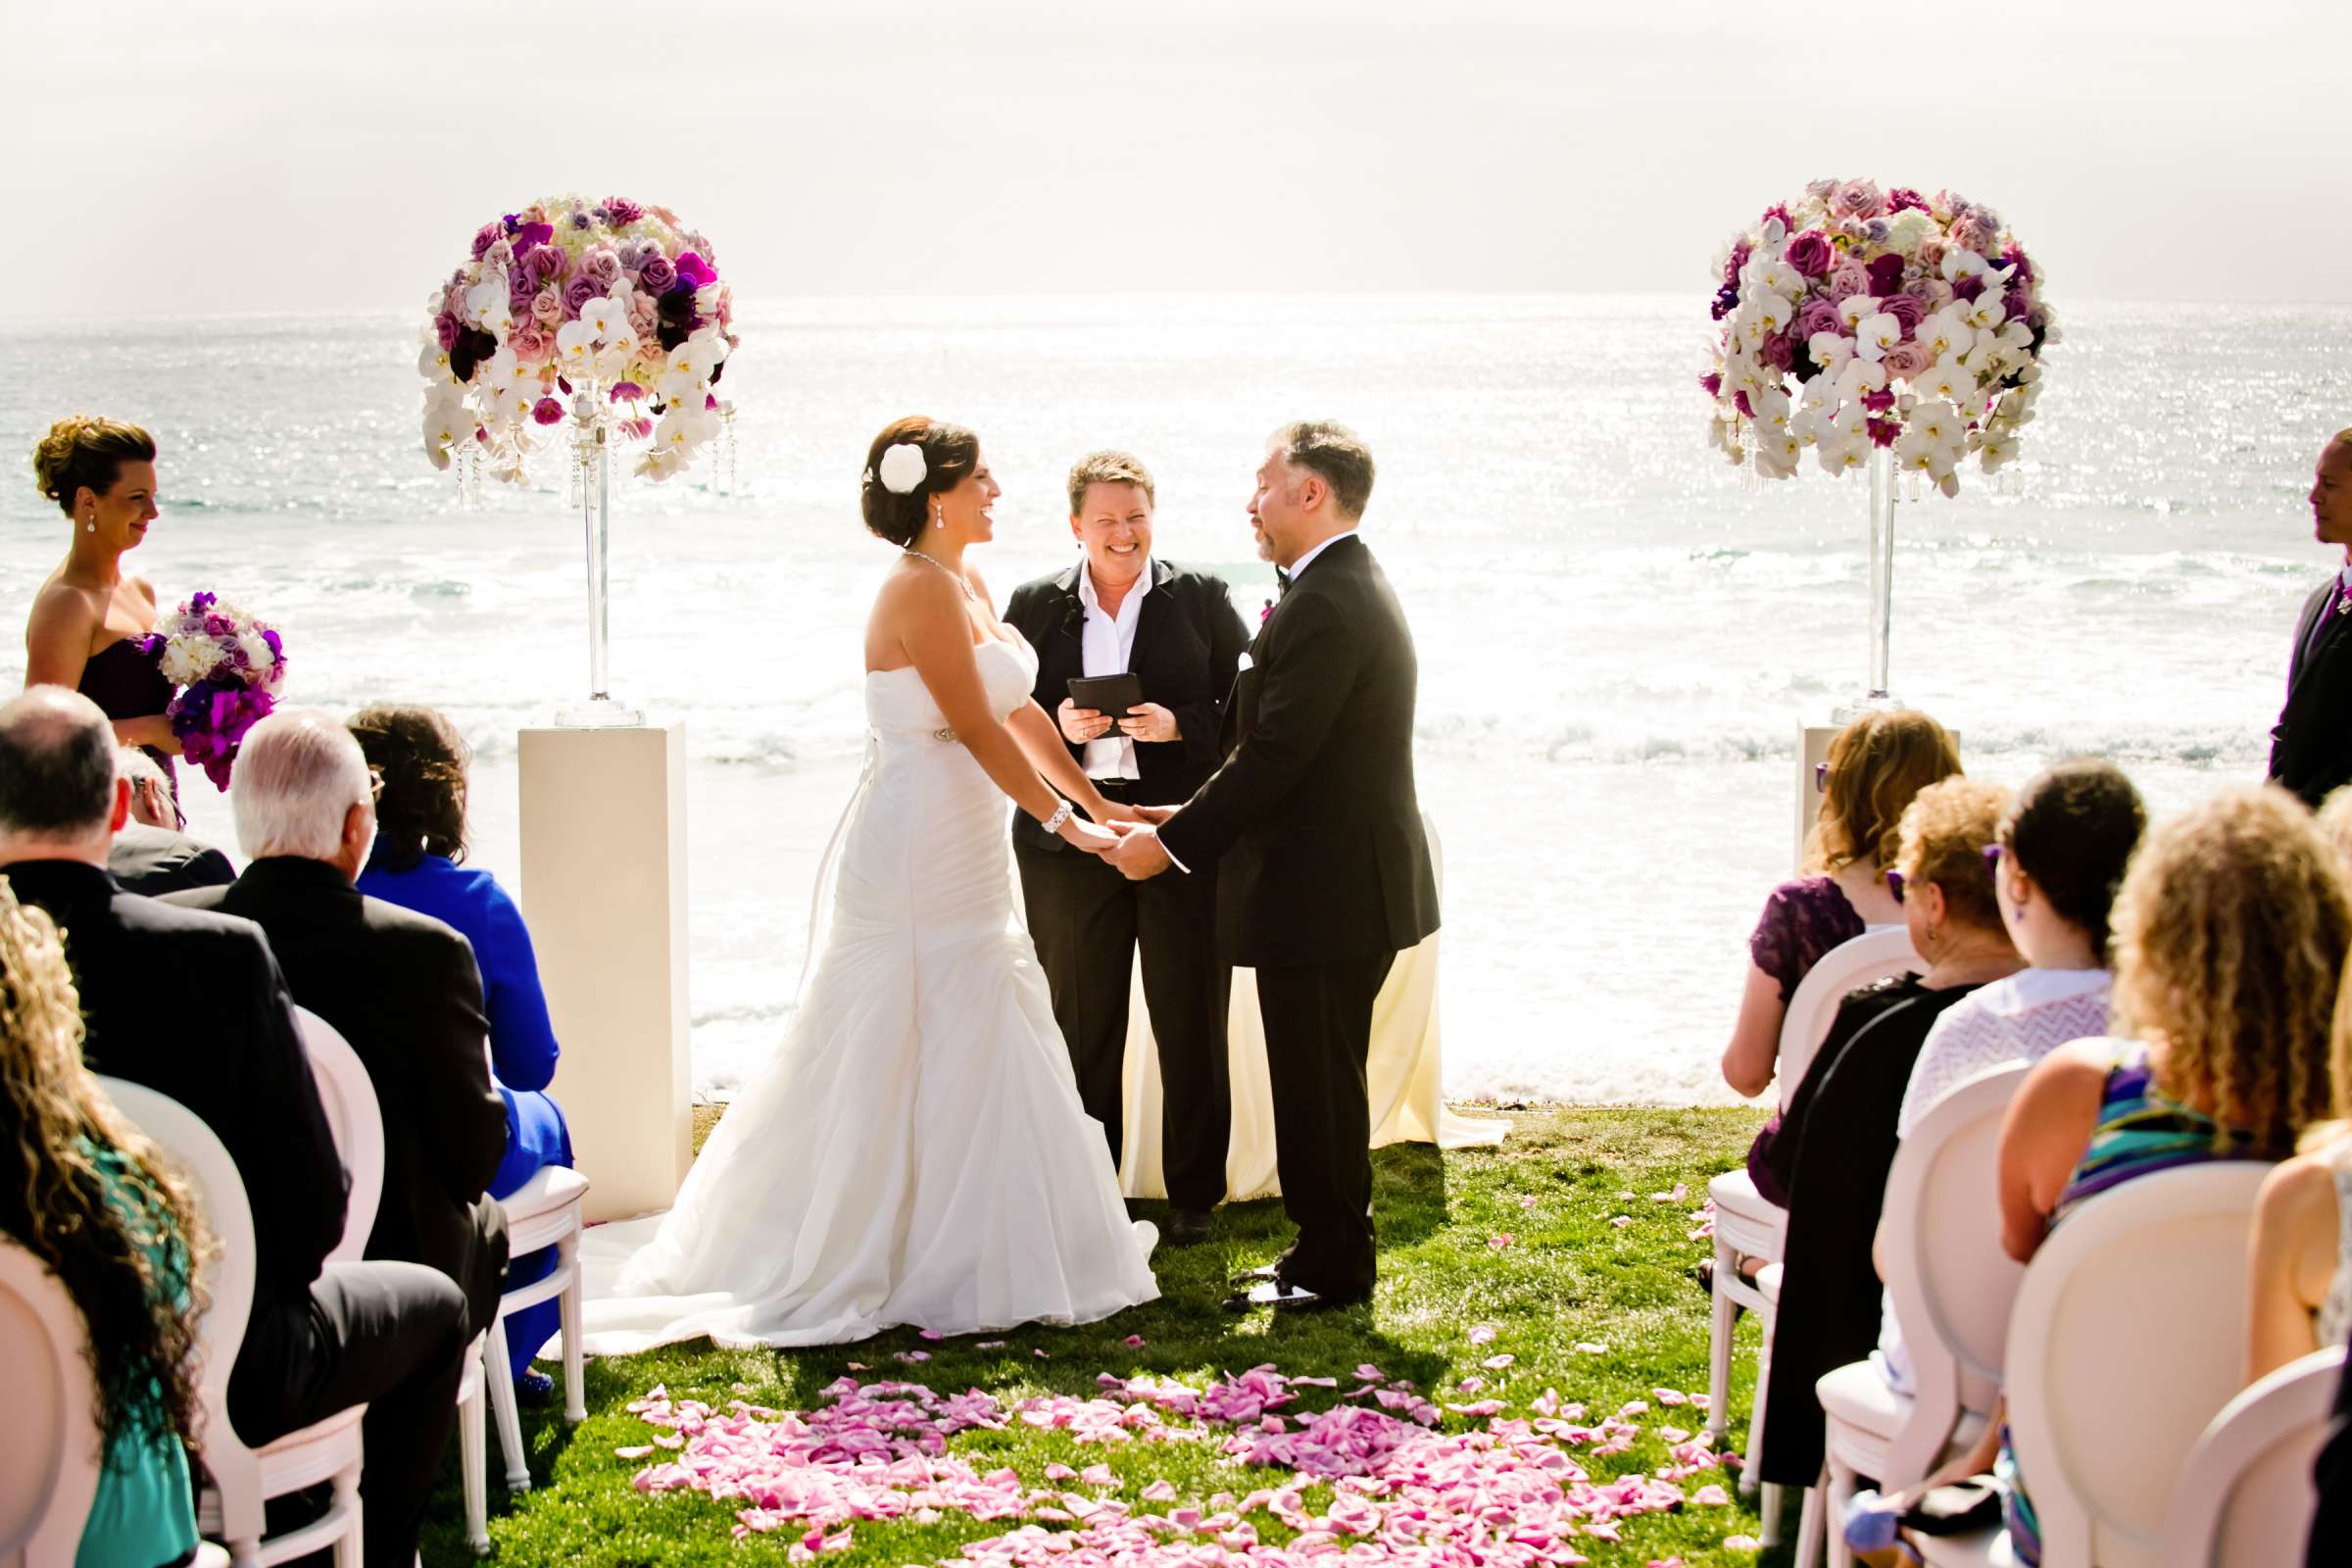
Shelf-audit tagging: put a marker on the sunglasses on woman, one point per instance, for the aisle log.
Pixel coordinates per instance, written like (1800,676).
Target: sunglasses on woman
(1992,867)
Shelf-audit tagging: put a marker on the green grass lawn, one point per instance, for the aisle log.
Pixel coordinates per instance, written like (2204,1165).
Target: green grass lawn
(1568,1277)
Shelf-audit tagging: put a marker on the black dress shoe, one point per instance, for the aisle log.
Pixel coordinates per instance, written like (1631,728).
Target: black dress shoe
(1188,1225)
(1284,1298)
(1257,1276)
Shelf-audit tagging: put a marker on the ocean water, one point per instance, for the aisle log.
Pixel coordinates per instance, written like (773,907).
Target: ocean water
(1618,635)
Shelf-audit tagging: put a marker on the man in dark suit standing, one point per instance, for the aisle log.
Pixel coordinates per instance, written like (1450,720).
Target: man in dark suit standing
(401,987)
(1121,609)
(2311,746)
(151,855)
(192,1006)
(1312,822)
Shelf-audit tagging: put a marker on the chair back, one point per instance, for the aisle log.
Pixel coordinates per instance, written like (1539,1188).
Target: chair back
(356,1119)
(2246,1497)
(1876,955)
(1951,1283)
(54,1433)
(2125,1341)
(227,1275)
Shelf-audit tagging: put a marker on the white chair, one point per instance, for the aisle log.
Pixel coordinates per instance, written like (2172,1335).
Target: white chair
(355,1118)
(47,1485)
(1952,1287)
(2245,1500)
(1744,1222)
(543,1213)
(2125,1342)
(472,1461)
(242,1478)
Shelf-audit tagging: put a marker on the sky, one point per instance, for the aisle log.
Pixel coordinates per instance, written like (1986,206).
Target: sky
(193,158)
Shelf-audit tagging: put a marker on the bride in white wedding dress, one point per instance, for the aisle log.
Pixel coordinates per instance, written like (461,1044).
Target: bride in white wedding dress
(916,1153)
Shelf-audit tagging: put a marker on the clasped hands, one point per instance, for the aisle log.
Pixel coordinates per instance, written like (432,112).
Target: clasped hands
(1130,842)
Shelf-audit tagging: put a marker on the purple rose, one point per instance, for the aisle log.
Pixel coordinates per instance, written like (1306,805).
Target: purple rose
(1904,199)
(1778,350)
(2017,304)
(693,272)
(1969,287)
(602,265)
(657,274)
(578,292)
(1976,234)
(547,411)
(1818,316)
(621,210)
(1857,198)
(546,264)
(2015,258)
(1812,254)
(486,237)
(526,235)
(1778,210)
(582,220)
(445,331)
(1906,310)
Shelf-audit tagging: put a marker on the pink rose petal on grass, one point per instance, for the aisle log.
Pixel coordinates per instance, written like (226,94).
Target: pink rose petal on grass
(1529,1201)
(1591,1347)
(1710,1498)
(1741,1544)
(913,1357)
(1161,1491)
(1669,1397)
(1621,1221)
(635,1451)
(1495,1363)
(990,1345)
(1470,1384)
(1132,1342)
(1484,1334)
(930,1334)
(1681,1193)
(1502,1242)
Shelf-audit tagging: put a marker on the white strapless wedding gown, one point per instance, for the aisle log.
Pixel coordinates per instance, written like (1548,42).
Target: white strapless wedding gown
(916,1153)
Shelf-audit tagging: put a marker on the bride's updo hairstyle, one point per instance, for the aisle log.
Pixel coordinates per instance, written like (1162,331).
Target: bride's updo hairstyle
(949,453)
(82,449)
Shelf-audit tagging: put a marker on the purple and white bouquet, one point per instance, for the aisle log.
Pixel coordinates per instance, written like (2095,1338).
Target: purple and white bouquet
(1856,317)
(608,297)
(230,667)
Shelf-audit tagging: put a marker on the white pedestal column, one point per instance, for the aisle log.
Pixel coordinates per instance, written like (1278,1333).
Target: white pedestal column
(604,888)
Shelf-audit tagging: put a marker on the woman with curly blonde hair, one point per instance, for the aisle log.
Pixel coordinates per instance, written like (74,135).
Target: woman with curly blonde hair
(2231,933)
(85,1193)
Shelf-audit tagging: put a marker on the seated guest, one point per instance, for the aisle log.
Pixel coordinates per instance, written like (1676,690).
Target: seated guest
(401,987)
(419,848)
(151,855)
(1877,764)
(2061,850)
(1834,1148)
(2231,935)
(2331,1543)
(2299,1273)
(85,1193)
(321,1336)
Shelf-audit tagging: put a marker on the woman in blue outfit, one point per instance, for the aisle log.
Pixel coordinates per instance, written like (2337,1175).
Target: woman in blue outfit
(419,865)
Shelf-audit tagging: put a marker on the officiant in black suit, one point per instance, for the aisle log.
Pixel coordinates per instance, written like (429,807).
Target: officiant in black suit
(1118,610)
(2311,746)
(1314,832)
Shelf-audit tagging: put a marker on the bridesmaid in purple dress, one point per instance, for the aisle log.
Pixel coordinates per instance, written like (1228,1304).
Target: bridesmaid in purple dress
(87,619)
(1877,764)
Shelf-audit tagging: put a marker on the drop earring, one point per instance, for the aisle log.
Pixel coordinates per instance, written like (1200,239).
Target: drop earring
(89,525)
(938,520)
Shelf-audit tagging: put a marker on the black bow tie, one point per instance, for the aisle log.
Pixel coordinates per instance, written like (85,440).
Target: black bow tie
(1282,582)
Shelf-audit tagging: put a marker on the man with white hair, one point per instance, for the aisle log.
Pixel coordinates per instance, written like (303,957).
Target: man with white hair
(192,1005)
(401,987)
(150,855)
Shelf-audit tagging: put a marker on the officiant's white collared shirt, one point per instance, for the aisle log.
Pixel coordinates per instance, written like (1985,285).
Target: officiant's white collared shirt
(1308,559)
(1107,647)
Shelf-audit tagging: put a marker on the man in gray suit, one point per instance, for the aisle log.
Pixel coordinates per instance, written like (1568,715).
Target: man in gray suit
(151,855)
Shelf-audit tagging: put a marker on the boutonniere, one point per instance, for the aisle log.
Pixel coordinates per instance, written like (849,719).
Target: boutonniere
(1073,615)
(2343,600)
(1266,613)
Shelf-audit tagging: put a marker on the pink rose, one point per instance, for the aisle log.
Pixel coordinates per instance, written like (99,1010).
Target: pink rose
(1931,254)
(531,343)
(578,292)
(546,306)
(601,264)
(1811,252)
(500,254)
(1972,233)
(645,320)
(1906,310)
(1907,360)
(1857,198)
(1818,316)
(1849,279)
(1778,350)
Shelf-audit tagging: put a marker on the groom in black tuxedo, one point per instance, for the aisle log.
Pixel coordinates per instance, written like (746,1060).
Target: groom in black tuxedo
(1312,823)
(2311,746)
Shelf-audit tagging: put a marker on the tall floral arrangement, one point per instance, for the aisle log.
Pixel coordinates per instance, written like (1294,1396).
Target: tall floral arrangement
(1856,317)
(607,297)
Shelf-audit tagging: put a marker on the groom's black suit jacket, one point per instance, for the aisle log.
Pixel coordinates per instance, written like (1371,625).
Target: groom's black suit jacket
(2311,746)
(1312,820)
(1188,640)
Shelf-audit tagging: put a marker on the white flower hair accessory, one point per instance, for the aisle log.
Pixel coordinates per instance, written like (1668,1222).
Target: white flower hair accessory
(903,468)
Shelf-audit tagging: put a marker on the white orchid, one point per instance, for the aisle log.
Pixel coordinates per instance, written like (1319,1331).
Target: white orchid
(1854,307)
(1936,420)
(1809,426)
(1995,446)
(1918,454)
(685,427)
(1947,332)
(1741,374)
(1984,312)
(1820,391)
(660,462)
(1775,235)
(446,422)
(1841,453)
(700,353)
(1947,379)
(500,371)
(1875,333)
(486,304)
(1830,351)
(1861,375)
(1852,422)
(1771,411)
(1960,263)
(576,344)
(1774,276)
(1778,455)
(1763,316)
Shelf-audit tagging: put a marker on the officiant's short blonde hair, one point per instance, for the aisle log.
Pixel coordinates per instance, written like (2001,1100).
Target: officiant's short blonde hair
(1108,468)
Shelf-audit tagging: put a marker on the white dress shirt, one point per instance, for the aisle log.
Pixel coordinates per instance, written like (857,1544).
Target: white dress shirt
(1301,564)
(1107,647)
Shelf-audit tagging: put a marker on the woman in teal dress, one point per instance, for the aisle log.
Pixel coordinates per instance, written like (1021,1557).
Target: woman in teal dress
(84,1193)
(418,864)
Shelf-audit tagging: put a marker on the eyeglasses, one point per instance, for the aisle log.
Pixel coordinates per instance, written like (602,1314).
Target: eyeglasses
(1821,778)
(375,784)
(1992,860)
(1894,885)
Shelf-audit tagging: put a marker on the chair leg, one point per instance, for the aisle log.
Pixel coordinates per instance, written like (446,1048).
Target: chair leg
(244,1553)
(498,1377)
(1719,1346)
(576,1397)
(1751,1474)
(1768,1504)
(349,1546)
(1809,1529)
(474,1464)
(1834,1509)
